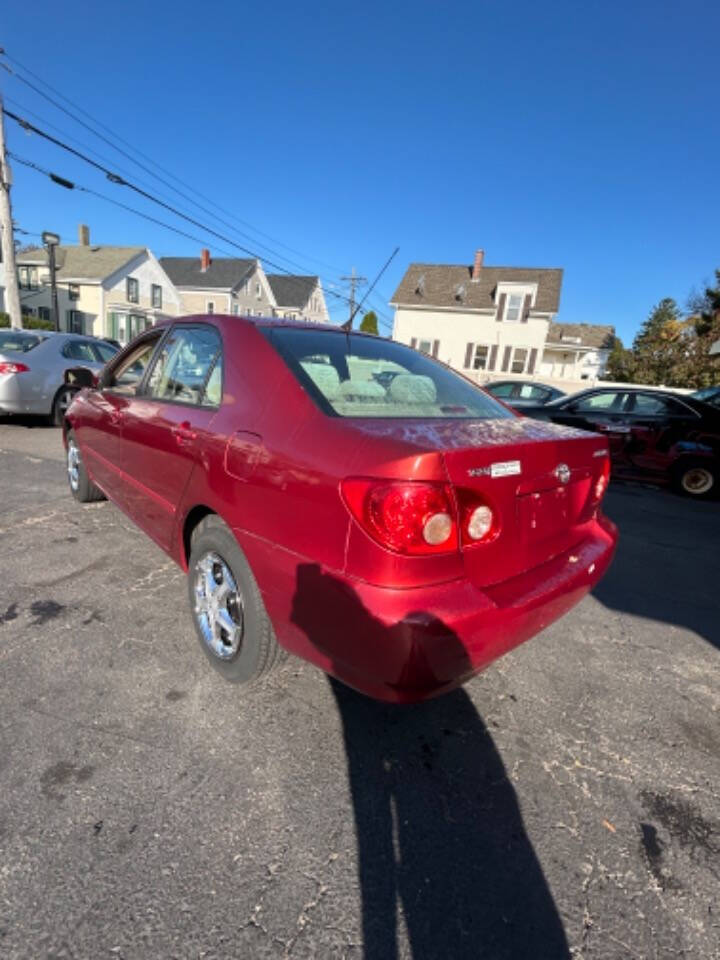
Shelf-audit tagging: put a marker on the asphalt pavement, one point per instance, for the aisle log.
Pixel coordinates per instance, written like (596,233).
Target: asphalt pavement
(566,803)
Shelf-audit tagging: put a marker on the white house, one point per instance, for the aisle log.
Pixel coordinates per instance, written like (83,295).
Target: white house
(481,319)
(577,351)
(103,290)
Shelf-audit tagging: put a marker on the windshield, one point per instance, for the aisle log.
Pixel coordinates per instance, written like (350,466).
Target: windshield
(350,375)
(18,341)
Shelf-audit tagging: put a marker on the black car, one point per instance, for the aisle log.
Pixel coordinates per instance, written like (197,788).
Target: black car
(654,435)
(523,393)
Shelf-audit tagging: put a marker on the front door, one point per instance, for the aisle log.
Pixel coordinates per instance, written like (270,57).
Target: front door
(101,438)
(602,412)
(166,427)
(657,424)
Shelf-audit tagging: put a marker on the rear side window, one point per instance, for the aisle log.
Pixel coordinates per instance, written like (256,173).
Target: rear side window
(104,352)
(188,366)
(503,390)
(79,350)
(600,403)
(19,342)
(349,375)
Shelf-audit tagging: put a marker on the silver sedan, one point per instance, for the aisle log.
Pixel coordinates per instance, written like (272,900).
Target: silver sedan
(33,365)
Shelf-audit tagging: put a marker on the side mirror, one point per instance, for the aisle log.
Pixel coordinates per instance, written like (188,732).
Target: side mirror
(80,377)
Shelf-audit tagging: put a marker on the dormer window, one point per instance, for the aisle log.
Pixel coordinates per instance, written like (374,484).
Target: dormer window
(513,307)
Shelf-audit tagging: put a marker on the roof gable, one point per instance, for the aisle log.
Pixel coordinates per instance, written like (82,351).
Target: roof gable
(448,285)
(223,272)
(597,335)
(84,262)
(291,291)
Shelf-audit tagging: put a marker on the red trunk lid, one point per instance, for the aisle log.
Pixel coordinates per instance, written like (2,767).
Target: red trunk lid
(537,477)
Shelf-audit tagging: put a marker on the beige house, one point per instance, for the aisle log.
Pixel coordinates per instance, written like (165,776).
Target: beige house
(220,285)
(299,298)
(102,290)
(486,321)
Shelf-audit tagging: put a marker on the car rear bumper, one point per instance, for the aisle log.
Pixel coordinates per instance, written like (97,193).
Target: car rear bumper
(404,645)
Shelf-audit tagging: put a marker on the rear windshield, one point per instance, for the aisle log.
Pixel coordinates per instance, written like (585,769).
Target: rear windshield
(18,341)
(350,375)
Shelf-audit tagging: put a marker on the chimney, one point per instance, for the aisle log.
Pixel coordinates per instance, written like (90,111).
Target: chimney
(83,235)
(477,266)
(204,260)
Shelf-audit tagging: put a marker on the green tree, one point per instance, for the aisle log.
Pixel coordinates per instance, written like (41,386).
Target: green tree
(705,307)
(620,363)
(369,323)
(659,345)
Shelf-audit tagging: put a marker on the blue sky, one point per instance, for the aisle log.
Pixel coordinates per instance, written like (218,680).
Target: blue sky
(582,135)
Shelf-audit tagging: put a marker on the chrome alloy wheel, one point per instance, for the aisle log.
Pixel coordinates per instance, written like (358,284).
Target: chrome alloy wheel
(73,465)
(697,481)
(218,606)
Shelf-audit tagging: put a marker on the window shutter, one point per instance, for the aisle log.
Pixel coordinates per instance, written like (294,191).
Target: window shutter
(501,306)
(493,357)
(436,347)
(533,358)
(506,359)
(526,308)
(413,342)
(468,355)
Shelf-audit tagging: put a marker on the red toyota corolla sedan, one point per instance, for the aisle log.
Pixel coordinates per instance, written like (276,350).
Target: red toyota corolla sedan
(343,497)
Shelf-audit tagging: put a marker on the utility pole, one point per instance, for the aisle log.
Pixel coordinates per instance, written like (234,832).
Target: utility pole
(355,281)
(12,294)
(51,240)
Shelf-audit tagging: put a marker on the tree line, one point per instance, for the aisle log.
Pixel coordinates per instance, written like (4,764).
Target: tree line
(672,348)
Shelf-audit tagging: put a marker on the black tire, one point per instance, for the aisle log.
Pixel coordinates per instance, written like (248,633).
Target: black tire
(63,399)
(81,486)
(697,478)
(251,651)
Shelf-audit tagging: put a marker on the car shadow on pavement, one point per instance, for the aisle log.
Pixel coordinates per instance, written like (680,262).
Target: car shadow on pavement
(442,848)
(667,565)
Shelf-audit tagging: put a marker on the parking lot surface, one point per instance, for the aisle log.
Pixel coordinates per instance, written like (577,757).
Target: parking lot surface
(566,803)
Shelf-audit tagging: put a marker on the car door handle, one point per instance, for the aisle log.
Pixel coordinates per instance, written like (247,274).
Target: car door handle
(183,433)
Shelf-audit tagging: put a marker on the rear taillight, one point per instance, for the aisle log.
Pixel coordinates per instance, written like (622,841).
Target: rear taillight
(415,518)
(7,367)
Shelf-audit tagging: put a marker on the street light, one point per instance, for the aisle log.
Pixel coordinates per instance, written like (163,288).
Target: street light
(51,240)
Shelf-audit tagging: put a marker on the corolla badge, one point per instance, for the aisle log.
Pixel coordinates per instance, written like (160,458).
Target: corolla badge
(562,472)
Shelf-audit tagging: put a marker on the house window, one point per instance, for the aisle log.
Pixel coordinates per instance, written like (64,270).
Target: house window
(44,314)
(246,288)
(513,310)
(28,278)
(156,295)
(425,346)
(73,291)
(132,290)
(519,360)
(481,358)
(235,309)
(258,289)
(210,306)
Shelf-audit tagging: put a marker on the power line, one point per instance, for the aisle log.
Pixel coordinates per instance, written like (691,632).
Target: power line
(121,181)
(133,158)
(99,156)
(71,185)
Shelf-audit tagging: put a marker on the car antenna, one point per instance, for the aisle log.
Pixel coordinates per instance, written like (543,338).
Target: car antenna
(347,326)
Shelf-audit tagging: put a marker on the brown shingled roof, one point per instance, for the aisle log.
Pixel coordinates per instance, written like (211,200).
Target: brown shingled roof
(590,334)
(441,285)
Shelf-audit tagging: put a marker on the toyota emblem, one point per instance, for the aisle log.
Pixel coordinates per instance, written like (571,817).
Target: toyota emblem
(562,472)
